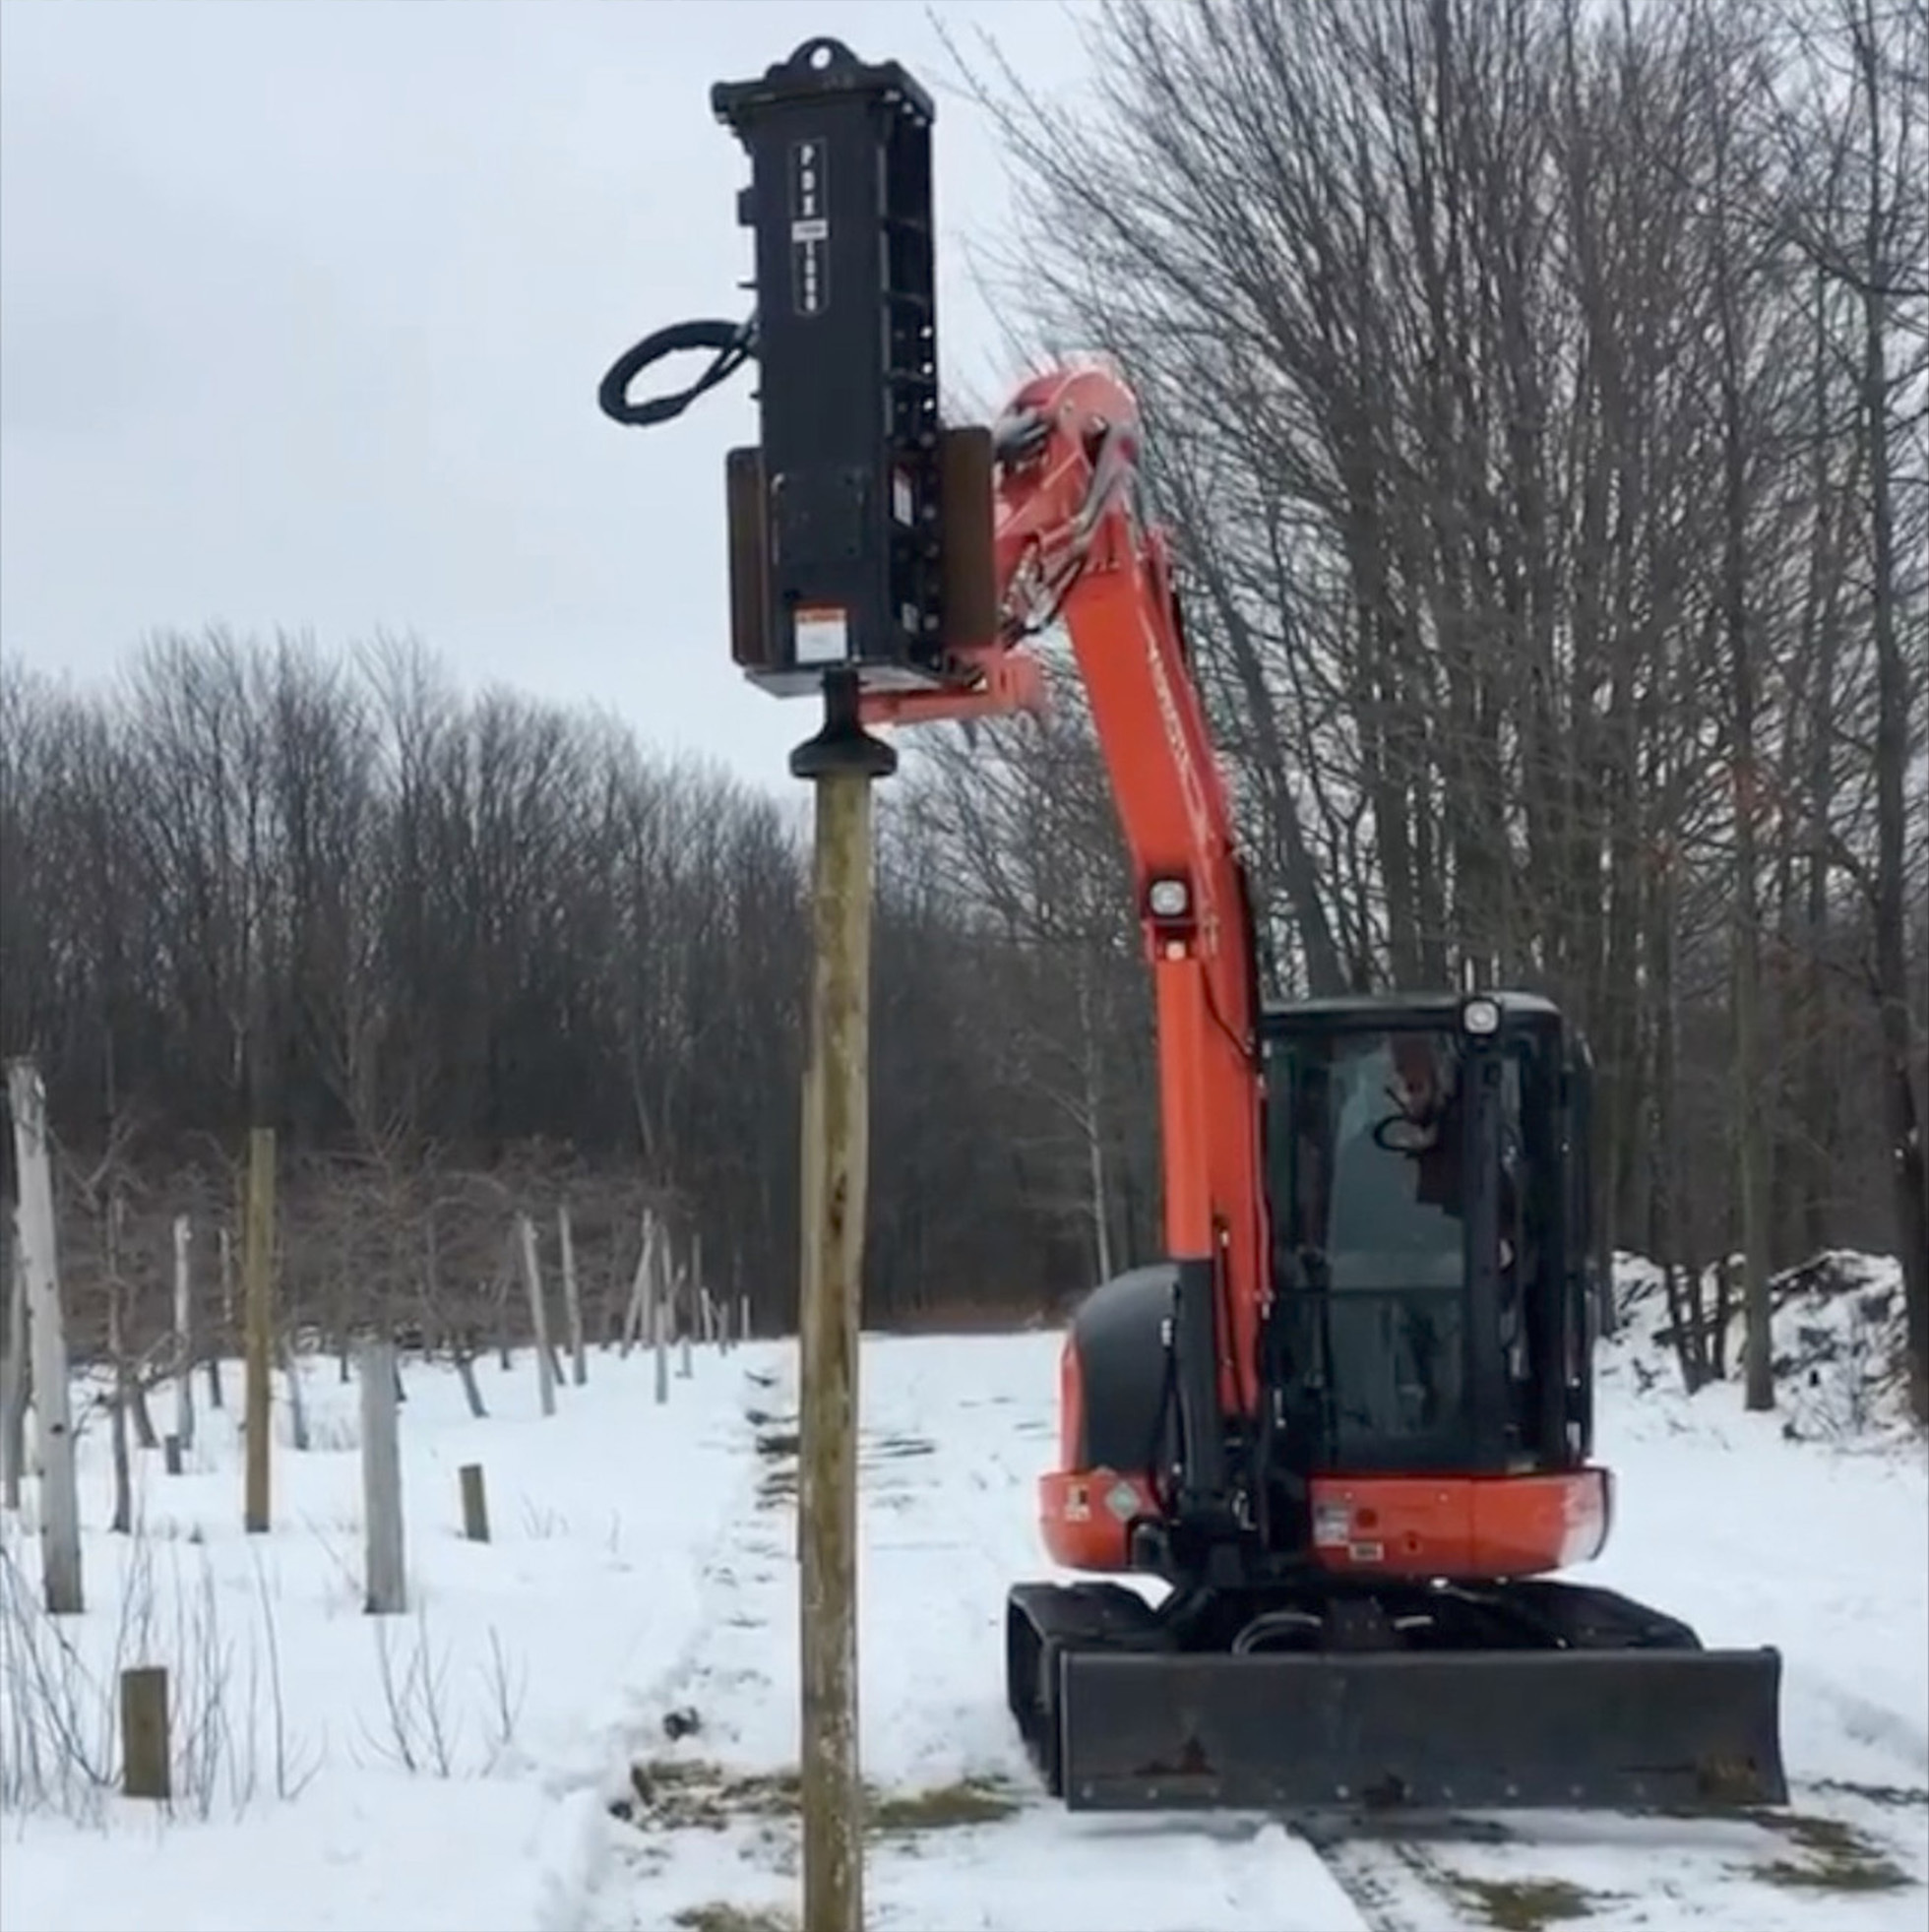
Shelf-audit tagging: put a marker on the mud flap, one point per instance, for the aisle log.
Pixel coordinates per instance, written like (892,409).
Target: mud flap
(1493,1729)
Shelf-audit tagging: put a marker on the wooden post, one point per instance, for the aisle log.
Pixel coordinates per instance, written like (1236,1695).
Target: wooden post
(381,1461)
(572,1301)
(144,1734)
(463,1349)
(638,1328)
(123,1517)
(39,1266)
(545,1368)
(841,763)
(297,1401)
(476,1503)
(258,1291)
(170,1454)
(743,1318)
(660,1319)
(225,1341)
(183,1337)
(15,1380)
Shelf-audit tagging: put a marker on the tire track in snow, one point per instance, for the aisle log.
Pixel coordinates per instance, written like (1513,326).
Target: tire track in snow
(952,1439)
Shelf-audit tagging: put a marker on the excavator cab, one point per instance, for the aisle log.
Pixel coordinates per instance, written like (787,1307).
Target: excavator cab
(1432,1256)
(1363,1610)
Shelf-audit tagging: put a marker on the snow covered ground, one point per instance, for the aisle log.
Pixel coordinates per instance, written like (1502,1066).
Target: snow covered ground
(503,1756)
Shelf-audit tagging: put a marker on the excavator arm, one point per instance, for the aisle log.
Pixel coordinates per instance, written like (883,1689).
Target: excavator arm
(1070,546)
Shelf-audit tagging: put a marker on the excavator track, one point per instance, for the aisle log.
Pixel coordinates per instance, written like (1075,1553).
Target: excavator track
(1614,1707)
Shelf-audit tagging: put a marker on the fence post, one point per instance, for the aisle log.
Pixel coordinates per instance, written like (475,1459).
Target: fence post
(144,1734)
(258,1291)
(380,1457)
(39,1266)
(545,1368)
(572,1300)
(183,1337)
(14,1376)
(476,1503)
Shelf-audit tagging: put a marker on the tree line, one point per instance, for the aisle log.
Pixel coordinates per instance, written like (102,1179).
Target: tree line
(1538,395)
(470,956)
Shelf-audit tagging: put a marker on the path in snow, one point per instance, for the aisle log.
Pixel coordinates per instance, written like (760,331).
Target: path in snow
(1752,1539)
(953,1433)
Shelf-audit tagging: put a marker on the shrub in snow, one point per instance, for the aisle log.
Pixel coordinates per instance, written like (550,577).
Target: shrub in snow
(1837,1334)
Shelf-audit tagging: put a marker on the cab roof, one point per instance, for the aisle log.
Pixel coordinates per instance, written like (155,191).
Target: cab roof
(1365,1009)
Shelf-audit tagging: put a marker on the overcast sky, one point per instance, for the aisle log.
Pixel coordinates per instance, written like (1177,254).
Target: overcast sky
(303,307)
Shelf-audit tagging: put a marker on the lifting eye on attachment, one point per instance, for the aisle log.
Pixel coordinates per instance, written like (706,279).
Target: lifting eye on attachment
(821,54)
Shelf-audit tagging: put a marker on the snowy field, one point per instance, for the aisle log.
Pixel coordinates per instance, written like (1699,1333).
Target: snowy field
(588,1724)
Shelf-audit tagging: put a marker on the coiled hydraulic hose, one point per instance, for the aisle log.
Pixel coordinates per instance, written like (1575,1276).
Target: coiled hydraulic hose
(734,344)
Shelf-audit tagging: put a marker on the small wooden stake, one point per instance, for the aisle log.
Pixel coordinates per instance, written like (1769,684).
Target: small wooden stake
(170,1448)
(476,1503)
(144,1734)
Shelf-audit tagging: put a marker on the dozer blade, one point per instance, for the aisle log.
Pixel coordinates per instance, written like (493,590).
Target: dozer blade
(1497,1730)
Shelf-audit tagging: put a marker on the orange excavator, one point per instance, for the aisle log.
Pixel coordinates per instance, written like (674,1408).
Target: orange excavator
(1341,1432)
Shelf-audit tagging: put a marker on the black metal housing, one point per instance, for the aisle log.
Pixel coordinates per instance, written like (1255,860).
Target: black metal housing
(848,468)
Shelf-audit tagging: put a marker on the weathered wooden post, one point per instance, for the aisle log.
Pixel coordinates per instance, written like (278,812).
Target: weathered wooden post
(660,1321)
(842,762)
(385,1576)
(683,1296)
(145,1769)
(15,1381)
(258,1293)
(476,1503)
(291,1360)
(572,1300)
(637,1330)
(183,1336)
(39,1267)
(545,1365)
(224,1246)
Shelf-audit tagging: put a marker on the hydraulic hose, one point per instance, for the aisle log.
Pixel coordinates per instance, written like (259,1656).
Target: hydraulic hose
(733,344)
